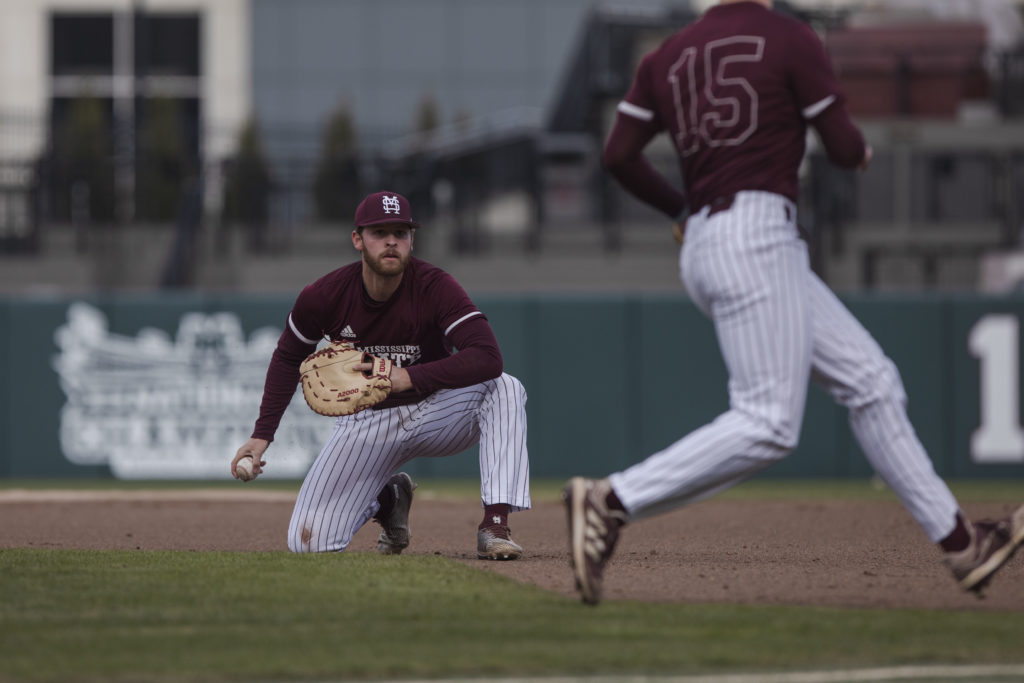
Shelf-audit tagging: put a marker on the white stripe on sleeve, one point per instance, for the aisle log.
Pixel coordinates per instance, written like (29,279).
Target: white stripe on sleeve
(630,109)
(298,334)
(818,107)
(461,320)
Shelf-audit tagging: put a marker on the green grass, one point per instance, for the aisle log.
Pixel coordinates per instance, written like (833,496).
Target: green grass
(170,616)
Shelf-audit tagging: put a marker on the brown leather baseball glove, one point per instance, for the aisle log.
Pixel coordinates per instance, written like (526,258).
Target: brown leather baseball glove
(331,387)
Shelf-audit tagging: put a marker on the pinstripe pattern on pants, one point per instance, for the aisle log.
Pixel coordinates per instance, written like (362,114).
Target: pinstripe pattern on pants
(778,326)
(850,365)
(339,493)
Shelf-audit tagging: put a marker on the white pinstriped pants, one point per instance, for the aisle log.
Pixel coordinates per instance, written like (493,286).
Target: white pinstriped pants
(339,493)
(778,325)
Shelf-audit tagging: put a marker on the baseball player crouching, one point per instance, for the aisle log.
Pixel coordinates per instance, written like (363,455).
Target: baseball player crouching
(391,305)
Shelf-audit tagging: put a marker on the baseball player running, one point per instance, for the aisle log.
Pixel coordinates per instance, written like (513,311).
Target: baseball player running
(391,304)
(735,90)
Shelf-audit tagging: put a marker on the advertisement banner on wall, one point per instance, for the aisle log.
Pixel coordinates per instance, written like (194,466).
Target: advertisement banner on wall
(156,406)
(169,386)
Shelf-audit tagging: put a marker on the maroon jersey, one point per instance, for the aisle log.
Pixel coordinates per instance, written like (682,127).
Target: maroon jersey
(734,90)
(408,328)
(418,328)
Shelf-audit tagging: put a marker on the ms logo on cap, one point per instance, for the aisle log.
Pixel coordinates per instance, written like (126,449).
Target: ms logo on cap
(390,204)
(381,207)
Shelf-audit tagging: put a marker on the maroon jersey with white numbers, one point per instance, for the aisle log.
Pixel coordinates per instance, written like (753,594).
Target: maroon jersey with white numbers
(418,328)
(734,90)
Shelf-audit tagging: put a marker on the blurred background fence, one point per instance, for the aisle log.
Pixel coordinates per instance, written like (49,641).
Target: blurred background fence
(172,174)
(125,172)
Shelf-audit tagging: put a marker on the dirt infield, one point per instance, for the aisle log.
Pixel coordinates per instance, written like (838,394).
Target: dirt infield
(839,553)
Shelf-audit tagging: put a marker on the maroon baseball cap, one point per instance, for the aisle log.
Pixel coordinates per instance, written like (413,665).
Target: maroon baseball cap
(384,207)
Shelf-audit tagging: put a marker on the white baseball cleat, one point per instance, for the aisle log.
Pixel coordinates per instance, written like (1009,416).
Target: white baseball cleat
(992,545)
(593,533)
(495,543)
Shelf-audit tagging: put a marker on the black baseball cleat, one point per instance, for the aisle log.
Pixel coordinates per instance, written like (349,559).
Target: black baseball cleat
(394,535)
(992,545)
(593,532)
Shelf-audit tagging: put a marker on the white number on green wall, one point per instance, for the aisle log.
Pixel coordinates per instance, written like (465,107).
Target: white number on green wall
(995,341)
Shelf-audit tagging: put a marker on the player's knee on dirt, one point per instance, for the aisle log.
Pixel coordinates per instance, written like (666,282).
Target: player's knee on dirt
(315,533)
(306,541)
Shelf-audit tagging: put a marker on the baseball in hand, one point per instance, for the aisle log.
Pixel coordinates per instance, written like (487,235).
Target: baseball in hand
(243,468)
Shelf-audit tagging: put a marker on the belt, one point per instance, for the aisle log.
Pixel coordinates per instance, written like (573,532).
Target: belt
(720,204)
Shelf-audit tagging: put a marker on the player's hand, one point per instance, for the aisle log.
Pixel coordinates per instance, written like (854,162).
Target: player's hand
(253,448)
(399,376)
(868,154)
(400,379)
(679,231)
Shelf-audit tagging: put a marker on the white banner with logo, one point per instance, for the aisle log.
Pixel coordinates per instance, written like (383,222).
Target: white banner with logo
(152,406)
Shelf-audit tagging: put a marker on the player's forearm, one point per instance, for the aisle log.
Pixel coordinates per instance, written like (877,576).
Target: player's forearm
(640,179)
(279,387)
(478,360)
(624,160)
(843,142)
(465,368)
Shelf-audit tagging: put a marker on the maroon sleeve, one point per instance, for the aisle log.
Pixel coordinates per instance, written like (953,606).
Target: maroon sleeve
(810,68)
(822,101)
(623,158)
(282,378)
(478,359)
(842,140)
(307,312)
(623,151)
(643,95)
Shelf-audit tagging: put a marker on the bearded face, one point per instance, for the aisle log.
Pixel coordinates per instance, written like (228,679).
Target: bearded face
(387,263)
(386,248)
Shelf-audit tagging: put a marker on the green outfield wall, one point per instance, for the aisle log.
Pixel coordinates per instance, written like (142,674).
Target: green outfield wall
(168,386)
